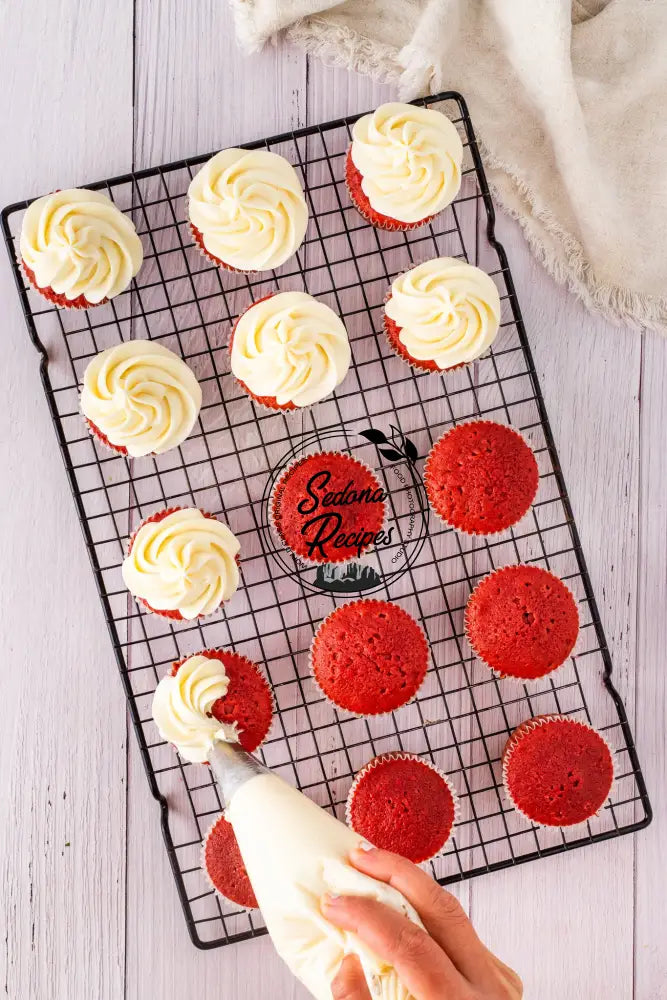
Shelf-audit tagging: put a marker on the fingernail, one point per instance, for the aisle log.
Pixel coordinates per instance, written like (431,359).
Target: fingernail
(365,846)
(329,898)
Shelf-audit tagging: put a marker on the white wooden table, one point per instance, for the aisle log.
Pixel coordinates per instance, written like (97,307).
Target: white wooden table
(89,907)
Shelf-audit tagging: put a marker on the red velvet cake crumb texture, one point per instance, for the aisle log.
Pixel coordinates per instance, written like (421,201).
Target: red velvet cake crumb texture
(224,864)
(481,477)
(353,179)
(559,772)
(248,700)
(402,805)
(339,473)
(269,401)
(369,657)
(522,621)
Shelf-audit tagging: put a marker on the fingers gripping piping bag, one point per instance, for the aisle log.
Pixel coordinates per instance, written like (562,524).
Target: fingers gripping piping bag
(294,852)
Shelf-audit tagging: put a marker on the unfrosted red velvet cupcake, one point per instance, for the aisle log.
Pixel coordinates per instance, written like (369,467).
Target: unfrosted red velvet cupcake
(223,864)
(329,508)
(557,771)
(481,477)
(369,657)
(402,803)
(248,703)
(203,550)
(522,621)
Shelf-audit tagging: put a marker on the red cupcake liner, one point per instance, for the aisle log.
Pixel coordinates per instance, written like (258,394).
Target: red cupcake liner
(353,179)
(266,402)
(327,695)
(56,298)
(514,677)
(515,739)
(249,744)
(174,615)
(401,755)
(230,871)
(272,504)
(468,531)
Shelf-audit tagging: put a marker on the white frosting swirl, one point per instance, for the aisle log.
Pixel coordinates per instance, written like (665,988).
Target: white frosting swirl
(448,311)
(78,243)
(186,562)
(141,396)
(291,347)
(249,207)
(409,159)
(182,706)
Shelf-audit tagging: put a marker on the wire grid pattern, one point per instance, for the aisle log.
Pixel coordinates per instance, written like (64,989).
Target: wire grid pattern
(463,713)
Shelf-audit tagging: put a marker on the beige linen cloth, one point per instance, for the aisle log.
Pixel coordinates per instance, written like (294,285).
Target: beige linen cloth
(569,102)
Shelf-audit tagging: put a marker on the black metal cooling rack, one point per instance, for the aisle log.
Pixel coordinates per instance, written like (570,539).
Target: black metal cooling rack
(463,713)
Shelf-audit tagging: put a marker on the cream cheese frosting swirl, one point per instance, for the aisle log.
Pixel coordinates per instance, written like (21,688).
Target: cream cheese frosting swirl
(290,347)
(448,311)
(182,706)
(186,562)
(409,159)
(141,396)
(249,207)
(78,243)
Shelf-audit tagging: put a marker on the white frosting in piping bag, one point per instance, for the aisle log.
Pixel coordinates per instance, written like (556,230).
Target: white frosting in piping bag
(185,562)
(448,311)
(295,852)
(182,706)
(409,159)
(249,207)
(141,396)
(78,243)
(292,347)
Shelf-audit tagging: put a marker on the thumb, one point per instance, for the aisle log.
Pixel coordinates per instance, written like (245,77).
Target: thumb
(350,982)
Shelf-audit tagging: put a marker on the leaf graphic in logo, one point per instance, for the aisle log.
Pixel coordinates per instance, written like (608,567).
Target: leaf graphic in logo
(376,437)
(410,450)
(390,453)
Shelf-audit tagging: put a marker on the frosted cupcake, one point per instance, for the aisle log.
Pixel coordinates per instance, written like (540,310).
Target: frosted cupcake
(247,210)
(213,695)
(182,563)
(289,350)
(442,314)
(139,398)
(404,165)
(78,249)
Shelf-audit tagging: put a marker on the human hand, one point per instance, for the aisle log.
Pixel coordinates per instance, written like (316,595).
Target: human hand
(447,959)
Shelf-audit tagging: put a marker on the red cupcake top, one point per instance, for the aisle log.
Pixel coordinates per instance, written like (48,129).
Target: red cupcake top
(557,771)
(224,866)
(481,477)
(522,621)
(400,803)
(329,507)
(369,657)
(248,701)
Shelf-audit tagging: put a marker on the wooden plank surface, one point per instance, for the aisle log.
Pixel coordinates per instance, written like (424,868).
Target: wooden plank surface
(75,927)
(66,84)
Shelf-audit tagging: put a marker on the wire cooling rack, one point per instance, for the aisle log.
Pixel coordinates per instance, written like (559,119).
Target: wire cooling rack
(463,713)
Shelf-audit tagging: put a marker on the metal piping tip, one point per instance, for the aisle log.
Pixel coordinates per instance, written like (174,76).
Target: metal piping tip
(232,767)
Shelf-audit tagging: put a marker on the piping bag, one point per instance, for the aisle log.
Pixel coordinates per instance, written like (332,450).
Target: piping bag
(294,852)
